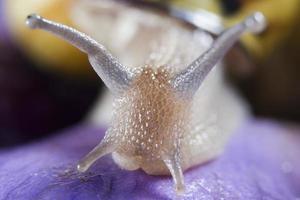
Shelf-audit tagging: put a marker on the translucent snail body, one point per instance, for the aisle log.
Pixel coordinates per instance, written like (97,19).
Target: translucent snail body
(165,121)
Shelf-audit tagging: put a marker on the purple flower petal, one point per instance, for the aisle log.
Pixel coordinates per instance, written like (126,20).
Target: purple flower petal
(261,162)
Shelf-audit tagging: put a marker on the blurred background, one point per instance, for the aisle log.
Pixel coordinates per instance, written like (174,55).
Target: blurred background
(46,85)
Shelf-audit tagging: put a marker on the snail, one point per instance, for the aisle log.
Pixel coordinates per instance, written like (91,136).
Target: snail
(156,125)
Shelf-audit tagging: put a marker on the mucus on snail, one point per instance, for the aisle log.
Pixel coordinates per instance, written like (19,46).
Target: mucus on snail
(150,129)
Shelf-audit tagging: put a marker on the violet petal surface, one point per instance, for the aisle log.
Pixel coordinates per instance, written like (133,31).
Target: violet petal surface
(260,162)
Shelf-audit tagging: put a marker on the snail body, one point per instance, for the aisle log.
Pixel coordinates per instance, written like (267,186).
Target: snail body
(163,121)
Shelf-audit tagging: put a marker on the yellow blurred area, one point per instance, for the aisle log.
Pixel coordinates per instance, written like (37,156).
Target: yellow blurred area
(210,5)
(45,49)
(281,16)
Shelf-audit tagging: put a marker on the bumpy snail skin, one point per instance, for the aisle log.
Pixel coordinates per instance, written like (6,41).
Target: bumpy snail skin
(154,125)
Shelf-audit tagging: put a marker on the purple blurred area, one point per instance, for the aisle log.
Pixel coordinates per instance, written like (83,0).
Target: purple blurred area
(260,162)
(3,29)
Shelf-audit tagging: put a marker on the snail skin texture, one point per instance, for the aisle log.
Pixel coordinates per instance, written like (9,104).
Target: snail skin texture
(165,121)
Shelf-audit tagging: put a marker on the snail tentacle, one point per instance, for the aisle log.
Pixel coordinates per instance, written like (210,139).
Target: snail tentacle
(173,164)
(115,75)
(99,151)
(189,80)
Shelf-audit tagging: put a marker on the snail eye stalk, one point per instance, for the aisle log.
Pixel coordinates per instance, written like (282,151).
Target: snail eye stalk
(115,75)
(189,80)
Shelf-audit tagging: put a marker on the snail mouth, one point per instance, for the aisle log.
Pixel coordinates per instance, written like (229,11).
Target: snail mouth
(127,162)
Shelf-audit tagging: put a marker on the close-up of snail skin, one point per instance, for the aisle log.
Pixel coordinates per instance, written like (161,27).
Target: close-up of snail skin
(153,127)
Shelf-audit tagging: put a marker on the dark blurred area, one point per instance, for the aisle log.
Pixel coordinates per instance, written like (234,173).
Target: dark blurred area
(35,101)
(273,89)
(272,85)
